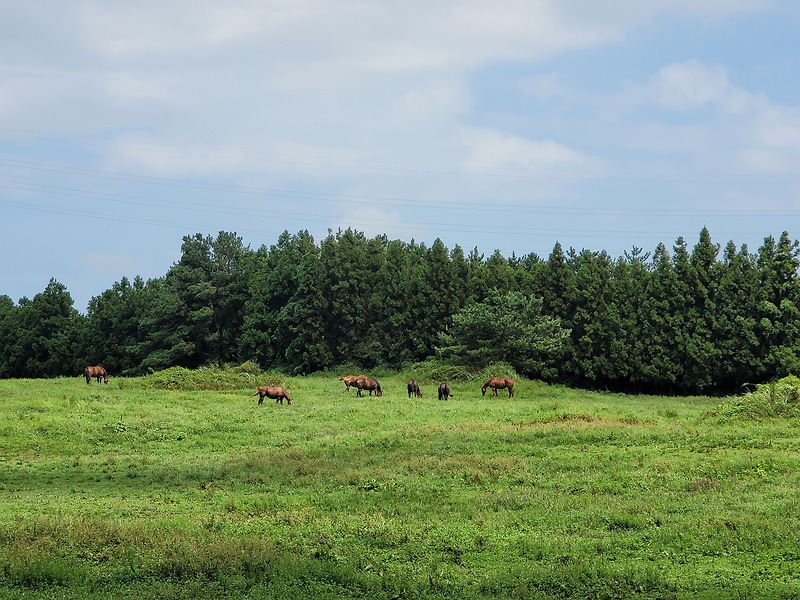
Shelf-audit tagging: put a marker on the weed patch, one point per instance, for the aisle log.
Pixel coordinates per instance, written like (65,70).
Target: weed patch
(212,377)
(777,399)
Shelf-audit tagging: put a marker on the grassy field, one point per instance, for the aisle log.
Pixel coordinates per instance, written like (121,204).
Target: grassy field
(126,490)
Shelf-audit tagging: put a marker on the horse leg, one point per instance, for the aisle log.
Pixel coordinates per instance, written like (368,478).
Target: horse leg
(260,399)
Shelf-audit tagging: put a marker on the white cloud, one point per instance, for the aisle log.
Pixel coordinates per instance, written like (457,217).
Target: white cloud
(692,85)
(779,127)
(774,145)
(689,85)
(492,151)
(193,87)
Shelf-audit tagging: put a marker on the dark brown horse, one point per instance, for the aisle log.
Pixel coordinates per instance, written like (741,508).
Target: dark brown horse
(348,381)
(413,389)
(96,372)
(364,383)
(499,383)
(444,391)
(276,393)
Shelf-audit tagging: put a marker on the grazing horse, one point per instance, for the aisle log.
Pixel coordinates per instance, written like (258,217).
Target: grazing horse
(413,389)
(348,381)
(96,372)
(276,393)
(444,391)
(499,383)
(364,383)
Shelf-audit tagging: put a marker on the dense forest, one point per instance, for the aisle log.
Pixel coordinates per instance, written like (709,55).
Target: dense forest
(683,321)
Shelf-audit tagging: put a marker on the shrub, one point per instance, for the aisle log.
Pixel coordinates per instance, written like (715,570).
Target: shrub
(210,377)
(776,399)
(434,370)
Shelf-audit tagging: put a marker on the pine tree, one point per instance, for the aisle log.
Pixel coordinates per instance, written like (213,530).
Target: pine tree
(703,356)
(597,350)
(390,325)
(437,303)
(9,333)
(460,288)
(506,327)
(111,335)
(303,317)
(346,285)
(556,280)
(273,282)
(632,279)
(48,334)
(735,323)
(228,279)
(779,324)
(662,322)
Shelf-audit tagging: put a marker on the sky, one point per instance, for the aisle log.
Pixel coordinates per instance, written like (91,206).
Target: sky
(509,125)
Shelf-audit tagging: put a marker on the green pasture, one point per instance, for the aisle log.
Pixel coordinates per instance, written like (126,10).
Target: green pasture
(130,490)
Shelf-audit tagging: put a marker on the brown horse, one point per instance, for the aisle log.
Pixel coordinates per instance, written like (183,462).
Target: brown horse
(364,383)
(348,381)
(444,391)
(413,389)
(276,393)
(499,383)
(96,372)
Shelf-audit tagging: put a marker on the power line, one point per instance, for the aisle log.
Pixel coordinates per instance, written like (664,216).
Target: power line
(372,200)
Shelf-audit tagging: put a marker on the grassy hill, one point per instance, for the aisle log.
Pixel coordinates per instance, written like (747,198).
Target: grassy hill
(144,489)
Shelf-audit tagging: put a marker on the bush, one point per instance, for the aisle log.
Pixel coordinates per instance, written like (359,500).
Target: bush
(435,370)
(776,399)
(210,377)
(497,369)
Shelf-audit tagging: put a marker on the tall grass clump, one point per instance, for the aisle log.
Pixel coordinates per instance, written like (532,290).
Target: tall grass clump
(434,370)
(775,399)
(209,377)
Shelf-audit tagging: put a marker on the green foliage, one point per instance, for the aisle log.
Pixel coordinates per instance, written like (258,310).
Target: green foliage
(212,377)
(506,327)
(685,321)
(777,399)
(45,333)
(436,371)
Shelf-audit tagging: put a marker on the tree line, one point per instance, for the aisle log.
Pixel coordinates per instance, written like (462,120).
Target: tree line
(685,320)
